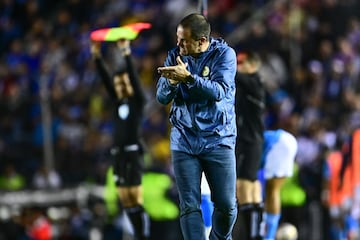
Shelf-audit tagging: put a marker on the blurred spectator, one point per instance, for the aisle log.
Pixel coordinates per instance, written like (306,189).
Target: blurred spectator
(38,226)
(11,179)
(45,178)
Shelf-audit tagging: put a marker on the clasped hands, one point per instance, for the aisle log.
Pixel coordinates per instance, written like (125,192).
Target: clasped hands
(175,74)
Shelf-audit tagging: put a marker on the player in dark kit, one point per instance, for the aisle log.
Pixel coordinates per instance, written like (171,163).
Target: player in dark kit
(128,99)
(249,108)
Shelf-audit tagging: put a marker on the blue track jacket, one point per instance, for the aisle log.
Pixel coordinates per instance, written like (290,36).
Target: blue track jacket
(202,113)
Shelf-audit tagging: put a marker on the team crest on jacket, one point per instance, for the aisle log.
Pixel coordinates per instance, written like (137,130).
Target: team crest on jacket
(205,71)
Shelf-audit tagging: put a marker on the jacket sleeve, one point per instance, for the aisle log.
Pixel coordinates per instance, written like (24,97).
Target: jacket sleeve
(222,77)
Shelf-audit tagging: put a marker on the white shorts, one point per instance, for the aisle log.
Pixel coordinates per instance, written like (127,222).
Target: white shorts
(279,161)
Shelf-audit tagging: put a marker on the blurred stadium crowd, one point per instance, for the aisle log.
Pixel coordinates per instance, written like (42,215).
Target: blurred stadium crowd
(48,84)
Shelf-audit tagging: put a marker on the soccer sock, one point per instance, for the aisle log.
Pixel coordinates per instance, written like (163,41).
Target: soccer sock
(261,219)
(140,222)
(272,222)
(252,215)
(207,209)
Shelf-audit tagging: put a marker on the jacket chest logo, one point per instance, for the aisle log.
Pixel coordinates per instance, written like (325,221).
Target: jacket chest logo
(205,72)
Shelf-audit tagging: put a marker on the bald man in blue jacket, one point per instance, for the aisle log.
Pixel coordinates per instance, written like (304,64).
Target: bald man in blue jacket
(198,79)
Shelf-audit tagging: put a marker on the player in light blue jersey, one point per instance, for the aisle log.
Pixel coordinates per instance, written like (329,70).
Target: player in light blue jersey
(279,152)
